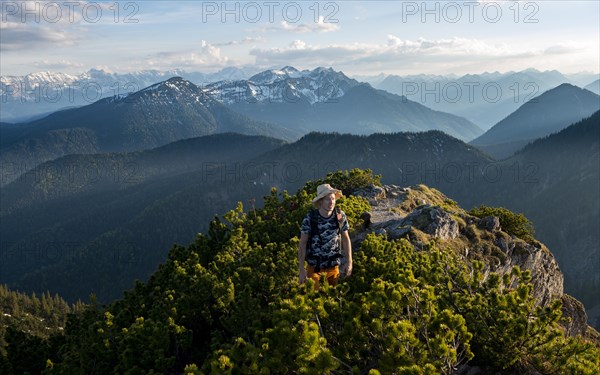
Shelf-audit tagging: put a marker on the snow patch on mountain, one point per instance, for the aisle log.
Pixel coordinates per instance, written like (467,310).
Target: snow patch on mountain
(40,93)
(287,84)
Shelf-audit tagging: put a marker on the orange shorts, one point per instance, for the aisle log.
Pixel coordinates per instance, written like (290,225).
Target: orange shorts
(331,274)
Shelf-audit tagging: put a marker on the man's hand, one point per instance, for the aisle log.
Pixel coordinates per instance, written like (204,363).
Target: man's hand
(302,275)
(347,269)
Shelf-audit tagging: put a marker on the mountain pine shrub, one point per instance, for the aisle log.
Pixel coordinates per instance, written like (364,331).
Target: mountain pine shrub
(515,224)
(230,303)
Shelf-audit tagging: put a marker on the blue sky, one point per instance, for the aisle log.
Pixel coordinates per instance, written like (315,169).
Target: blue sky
(357,37)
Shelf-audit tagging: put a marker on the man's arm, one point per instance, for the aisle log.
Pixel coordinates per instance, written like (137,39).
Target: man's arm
(302,256)
(347,249)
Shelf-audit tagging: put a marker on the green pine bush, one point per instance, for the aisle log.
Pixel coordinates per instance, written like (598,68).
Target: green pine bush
(230,303)
(515,224)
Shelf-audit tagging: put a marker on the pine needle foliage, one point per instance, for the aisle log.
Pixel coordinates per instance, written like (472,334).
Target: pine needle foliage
(230,303)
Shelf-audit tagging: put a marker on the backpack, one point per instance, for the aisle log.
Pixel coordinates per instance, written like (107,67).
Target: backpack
(314,230)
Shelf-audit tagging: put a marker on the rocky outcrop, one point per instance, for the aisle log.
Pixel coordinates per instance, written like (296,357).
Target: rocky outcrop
(434,221)
(577,318)
(490,223)
(546,277)
(419,213)
(371,193)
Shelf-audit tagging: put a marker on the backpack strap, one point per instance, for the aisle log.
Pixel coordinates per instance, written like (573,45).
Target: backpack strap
(314,222)
(340,219)
(313,216)
(314,227)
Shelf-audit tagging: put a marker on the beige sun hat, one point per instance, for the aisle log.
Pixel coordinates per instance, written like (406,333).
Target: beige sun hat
(323,191)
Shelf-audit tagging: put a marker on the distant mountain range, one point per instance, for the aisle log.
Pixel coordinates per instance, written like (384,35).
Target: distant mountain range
(169,111)
(373,80)
(286,85)
(283,104)
(594,87)
(28,97)
(326,100)
(485,99)
(548,113)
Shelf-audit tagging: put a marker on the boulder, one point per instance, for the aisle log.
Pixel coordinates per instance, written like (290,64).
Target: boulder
(434,221)
(370,193)
(546,277)
(489,223)
(576,323)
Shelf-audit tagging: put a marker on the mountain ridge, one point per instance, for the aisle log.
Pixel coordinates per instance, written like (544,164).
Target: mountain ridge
(548,113)
(165,112)
(522,183)
(175,201)
(555,182)
(485,99)
(41,93)
(309,100)
(283,85)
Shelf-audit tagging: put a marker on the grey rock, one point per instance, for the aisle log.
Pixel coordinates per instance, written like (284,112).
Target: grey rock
(371,193)
(434,221)
(546,277)
(490,223)
(502,244)
(395,229)
(577,316)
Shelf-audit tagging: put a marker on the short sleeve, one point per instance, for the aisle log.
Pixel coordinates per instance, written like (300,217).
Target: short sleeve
(345,225)
(305,226)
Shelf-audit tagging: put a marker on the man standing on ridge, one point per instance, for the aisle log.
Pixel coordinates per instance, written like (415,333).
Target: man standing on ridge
(324,235)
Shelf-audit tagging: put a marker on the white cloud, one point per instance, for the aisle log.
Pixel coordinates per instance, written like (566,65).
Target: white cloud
(444,47)
(563,48)
(20,36)
(41,25)
(66,12)
(206,56)
(320,26)
(397,54)
(394,48)
(60,65)
(246,40)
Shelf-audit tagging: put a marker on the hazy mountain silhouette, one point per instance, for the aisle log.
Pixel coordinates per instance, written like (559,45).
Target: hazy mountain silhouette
(168,111)
(71,204)
(104,234)
(548,113)
(360,110)
(594,87)
(555,182)
(484,99)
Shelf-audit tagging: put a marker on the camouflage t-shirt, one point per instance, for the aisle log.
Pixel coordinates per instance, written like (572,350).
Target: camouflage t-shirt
(326,246)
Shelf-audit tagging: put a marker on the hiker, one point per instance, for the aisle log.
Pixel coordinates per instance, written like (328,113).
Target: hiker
(324,235)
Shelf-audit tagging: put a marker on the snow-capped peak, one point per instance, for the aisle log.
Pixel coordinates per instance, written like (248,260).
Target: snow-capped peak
(287,84)
(175,89)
